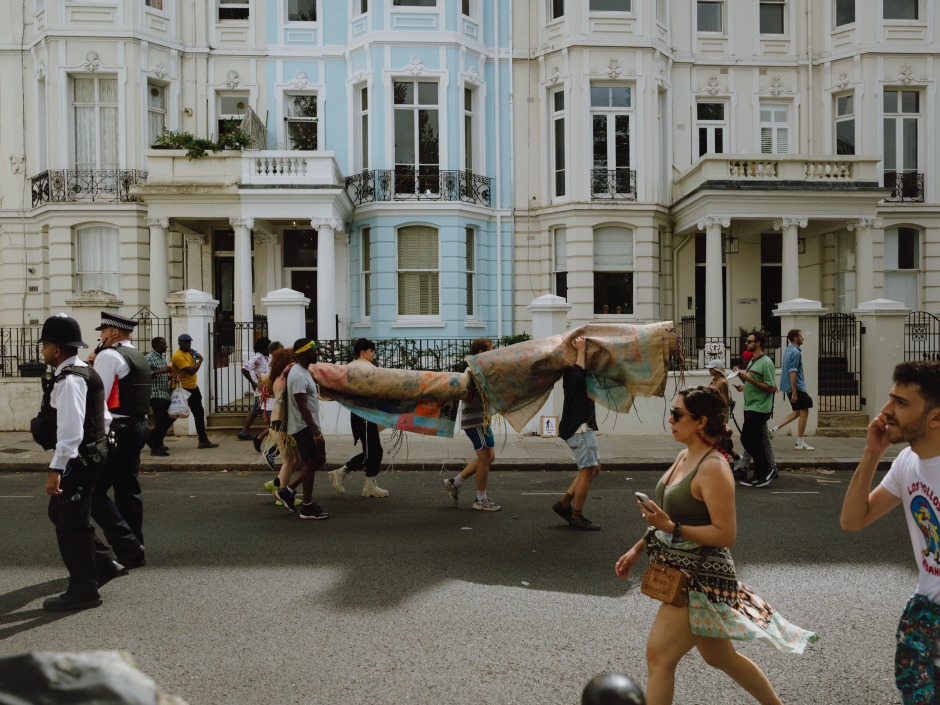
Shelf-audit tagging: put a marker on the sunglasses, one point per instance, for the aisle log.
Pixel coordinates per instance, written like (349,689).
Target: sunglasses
(677,415)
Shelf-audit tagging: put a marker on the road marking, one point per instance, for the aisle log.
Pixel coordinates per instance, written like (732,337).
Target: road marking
(16,496)
(780,492)
(536,494)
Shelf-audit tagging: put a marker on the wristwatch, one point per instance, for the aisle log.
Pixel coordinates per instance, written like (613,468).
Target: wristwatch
(677,532)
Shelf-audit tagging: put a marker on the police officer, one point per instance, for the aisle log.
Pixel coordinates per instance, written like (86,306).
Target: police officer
(125,375)
(72,421)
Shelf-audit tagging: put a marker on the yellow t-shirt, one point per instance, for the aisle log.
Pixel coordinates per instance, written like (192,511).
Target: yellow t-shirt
(180,360)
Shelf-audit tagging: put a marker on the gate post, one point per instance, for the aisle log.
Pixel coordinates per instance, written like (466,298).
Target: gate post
(286,320)
(803,314)
(549,317)
(192,311)
(882,349)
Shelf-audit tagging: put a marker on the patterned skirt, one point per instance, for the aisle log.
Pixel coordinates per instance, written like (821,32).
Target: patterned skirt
(719,605)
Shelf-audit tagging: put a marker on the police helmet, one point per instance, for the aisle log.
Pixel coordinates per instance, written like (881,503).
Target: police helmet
(62,330)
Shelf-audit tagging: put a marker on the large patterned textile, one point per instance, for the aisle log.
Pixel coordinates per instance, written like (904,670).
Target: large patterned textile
(719,605)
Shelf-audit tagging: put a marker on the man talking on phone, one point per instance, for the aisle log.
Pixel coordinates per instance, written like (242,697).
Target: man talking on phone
(186,363)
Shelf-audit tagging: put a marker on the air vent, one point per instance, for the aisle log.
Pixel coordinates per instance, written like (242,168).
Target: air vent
(32,288)
(723,72)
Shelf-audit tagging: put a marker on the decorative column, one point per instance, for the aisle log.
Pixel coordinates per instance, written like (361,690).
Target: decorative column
(646,266)
(194,243)
(192,312)
(327,228)
(159,266)
(244,286)
(865,257)
(714,300)
(804,314)
(790,268)
(549,317)
(882,349)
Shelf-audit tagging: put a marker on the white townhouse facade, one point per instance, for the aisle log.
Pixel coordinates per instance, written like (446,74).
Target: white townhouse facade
(712,158)
(378,182)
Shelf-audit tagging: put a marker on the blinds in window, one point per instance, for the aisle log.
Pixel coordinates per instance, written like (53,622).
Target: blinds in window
(471,270)
(613,250)
(97,259)
(418,280)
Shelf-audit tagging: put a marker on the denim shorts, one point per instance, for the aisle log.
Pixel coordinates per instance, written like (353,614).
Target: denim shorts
(584,446)
(481,437)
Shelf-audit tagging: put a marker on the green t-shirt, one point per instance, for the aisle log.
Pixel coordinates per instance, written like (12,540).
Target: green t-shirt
(755,399)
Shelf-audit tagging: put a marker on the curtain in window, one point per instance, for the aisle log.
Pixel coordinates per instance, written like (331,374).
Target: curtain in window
(613,250)
(418,276)
(97,259)
(902,265)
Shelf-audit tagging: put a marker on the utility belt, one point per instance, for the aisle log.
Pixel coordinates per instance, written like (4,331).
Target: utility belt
(119,425)
(92,453)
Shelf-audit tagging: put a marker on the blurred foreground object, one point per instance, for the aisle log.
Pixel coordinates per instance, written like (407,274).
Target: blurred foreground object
(612,689)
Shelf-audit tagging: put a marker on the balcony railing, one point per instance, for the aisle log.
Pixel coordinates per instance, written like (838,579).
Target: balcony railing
(618,184)
(75,185)
(907,185)
(420,184)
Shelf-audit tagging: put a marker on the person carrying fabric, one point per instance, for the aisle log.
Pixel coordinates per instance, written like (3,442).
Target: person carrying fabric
(578,428)
(473,423)
(692,523)
(73,421)
(276,380)
(362,430)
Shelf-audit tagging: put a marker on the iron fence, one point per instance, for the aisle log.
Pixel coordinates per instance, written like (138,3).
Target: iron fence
(73,185)
(921,336)
(419,184)
(840,362)
(231,343)
(21,352)
(617,184)
(907,185)
(698,350)
(150,326)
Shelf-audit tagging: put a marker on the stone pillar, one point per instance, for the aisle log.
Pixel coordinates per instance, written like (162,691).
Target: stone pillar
(646,266)
(882,349)
(269,278)
(714,300)
(286,310)
(865,257)
(62,280)
(803,314)
(549,317)
(244,286)
(86,308)
(194,243)
(790,269)
(159,265)
(192,312)
(326,228)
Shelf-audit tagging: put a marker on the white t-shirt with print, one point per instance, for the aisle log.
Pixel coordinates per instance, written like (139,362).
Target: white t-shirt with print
(300,381)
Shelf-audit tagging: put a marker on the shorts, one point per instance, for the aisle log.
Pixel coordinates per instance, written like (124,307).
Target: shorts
(256,407)
(481,437)
(584,446)
(307,449)
(803,401)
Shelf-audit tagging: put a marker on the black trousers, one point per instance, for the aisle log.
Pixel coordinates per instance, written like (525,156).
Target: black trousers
(83,553)
(161,422)
(122,519)
(371,456)
(752,438)
(199,414)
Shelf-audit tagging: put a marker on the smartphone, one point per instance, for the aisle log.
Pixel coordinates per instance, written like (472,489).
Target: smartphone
(645,501)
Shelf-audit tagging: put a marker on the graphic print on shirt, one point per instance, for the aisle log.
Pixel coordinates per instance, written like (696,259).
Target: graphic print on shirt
(927,522)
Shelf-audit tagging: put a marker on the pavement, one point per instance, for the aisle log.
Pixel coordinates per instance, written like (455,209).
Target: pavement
(514,451)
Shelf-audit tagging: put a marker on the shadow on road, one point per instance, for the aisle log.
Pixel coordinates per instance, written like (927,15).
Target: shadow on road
(21,621)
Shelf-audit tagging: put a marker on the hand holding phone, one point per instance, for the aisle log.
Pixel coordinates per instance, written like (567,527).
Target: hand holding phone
(645,501)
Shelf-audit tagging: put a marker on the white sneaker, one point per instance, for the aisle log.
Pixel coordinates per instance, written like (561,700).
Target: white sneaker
(804,446)
(337,478)
(370,489)
(774,431)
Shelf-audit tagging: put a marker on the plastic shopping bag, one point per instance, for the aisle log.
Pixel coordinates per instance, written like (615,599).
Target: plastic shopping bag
(179,408)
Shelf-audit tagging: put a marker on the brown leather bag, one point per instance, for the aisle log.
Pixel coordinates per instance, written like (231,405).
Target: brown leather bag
(666,584)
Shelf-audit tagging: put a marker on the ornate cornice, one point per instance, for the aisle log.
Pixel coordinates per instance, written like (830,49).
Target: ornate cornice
(335,223)
(790,221)
(710,221)
(872,221)
(194,239)
(242,222)
(162,222)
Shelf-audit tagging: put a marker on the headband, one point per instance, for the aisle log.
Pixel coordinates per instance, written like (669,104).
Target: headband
(303,348)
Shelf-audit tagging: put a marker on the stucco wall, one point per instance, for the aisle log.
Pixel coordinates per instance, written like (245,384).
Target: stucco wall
(19,402)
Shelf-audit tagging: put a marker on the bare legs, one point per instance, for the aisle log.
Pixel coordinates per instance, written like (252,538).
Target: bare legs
(480,467)
(671,638)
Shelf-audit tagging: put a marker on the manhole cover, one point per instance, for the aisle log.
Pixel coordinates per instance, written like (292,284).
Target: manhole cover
(13,450)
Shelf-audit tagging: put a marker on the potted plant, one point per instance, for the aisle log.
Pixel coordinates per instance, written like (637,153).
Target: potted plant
(195,147)
(236,138)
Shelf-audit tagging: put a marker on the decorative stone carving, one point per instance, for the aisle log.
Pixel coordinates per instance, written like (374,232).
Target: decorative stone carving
(906,75)
(613,69)
(471,76)
(159,71)
(712,220)
(416,67)
(359,75)
(335,223)
(790,221)
(242,222)
(41,72)
(868,221)
(194,239)
(162,222)
(232,79)
(713,86)
(92,61)
(300,81)
(843,81)
(776,86)
(554,76)
(17,162)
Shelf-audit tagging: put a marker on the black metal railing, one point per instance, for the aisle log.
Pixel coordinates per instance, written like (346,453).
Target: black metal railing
(74,185)
(921,336)
(907,185)
(150,326)
(840,362)
(613,184)
(21,352)
(699,350)
(420,184)
(230,344)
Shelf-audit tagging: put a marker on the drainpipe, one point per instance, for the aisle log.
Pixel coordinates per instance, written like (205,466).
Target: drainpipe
(499,182)
(809,72)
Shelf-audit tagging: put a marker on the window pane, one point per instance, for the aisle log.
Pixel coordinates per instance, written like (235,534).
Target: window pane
(557,8)
(156,96)
(600,141)
(427,93)
(702,140)
(891,102)
(890,145)
(910,102)
(465,7)
(404,93)
(620,97)
(909,127)
(709,16)
(302,135)
(622,141)
(610,5)
(719,140)
(845,137)
(301,10)
(900,9)
(600,97)
(561,252)
(845,12)
(613,292)
(560,157)
(711,111)
(771,18)
(302,106)
(428,138)
(908,249)
(613,249)
(845,105)
(415,3)
(404,137)
(559,99)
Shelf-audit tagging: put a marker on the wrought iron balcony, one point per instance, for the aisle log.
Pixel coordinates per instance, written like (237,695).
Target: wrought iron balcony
(619,184)
(420,184)
(75,185)
(907,185)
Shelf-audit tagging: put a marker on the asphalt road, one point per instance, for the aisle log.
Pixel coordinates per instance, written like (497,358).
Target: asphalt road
(407,599)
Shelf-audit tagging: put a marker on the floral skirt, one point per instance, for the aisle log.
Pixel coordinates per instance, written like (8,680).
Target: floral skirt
(719,605)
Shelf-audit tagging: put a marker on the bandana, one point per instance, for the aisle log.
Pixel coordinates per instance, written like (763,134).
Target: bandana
(304,348)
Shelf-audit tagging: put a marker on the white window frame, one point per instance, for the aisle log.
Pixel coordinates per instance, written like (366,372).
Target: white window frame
(154,112)
(413,3)
(99,106)
(559,236)
(555,9)
(721,16)
(769,4)
(365,273)
(558,131)
(416,107)
(615,257)
(469,128)
(220,97)
(362,7)
(897,277)
(433,273)
(99,270)
(288,119)
(844,5)
(628,9)
(916,4)
(243,5)
(610,114)
(158,5)
(305,23)
(470,250)
(845,114)
(772,131)
(901,118)
(363,153)
(711,128)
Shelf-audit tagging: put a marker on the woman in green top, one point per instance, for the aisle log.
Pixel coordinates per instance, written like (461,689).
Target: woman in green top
(692,526)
